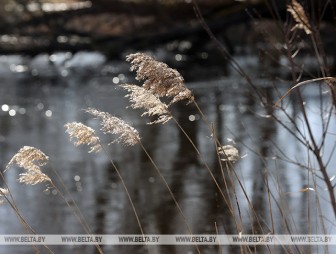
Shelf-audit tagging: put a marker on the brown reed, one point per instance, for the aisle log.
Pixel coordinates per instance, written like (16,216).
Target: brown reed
(127,135)
(84,135)
(31,159)
(159,78)
(33,178)
(228,153)
(300,17)
(141,98)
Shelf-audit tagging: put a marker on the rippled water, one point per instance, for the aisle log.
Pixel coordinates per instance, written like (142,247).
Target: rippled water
(35,108)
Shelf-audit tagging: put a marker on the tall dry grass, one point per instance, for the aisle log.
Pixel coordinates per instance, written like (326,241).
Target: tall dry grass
(302,26)
(161,86)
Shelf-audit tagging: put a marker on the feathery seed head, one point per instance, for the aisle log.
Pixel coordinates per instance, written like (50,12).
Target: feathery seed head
(127,135)
(33,178)
(228,153)
(84,135)
(29,158)
(141,98)
(159,78)
(300,17)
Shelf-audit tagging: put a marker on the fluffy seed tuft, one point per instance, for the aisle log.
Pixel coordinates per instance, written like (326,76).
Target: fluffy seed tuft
(29,158)
(300,17)
(228,153)
(84,135)
(33,178)
(127,135)
(159,78)
(141,98)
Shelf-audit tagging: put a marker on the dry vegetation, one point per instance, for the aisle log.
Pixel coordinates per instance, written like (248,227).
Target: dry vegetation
(162,86)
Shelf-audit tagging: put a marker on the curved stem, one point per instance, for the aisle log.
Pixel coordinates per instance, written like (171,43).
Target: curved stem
(126,190)
(305,83)
(18,214)
(78,216)
(205,164)
(169,190)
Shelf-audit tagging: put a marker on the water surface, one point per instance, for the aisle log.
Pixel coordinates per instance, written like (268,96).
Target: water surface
(34,109)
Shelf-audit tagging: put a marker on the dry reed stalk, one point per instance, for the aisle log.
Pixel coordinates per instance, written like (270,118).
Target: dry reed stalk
(300,17)
(159,78)
(162,81)
(110,125)
(84,135)
(141,98)
(31,159)
(127,135)
(249,80)
(158,81)
(170,191)
(3,194)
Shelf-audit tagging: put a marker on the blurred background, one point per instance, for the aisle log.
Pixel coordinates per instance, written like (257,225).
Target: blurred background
(58,57)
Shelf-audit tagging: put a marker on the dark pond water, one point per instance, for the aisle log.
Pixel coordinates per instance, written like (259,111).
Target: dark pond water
(34,109)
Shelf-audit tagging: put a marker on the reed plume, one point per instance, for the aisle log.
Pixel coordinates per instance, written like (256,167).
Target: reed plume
(159,78)
(300,17)
(3,193)
(84,135)
(228,153)
(127,135)
(33,178)
(31,159)
(140,98)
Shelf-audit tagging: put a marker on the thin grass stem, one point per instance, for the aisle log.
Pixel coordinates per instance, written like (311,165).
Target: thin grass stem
(169,190)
